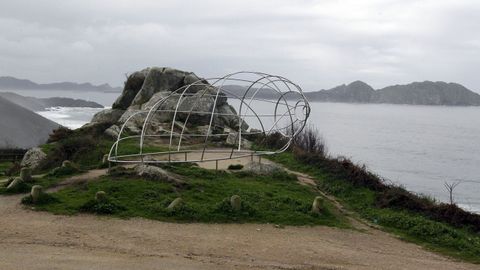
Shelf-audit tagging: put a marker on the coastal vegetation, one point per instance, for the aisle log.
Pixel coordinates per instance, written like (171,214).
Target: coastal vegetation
(277,199)
(442,227)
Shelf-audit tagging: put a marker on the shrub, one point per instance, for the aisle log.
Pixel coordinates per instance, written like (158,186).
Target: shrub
(182,211)
(62,171)
(22,187)
(120,171)
(272,141)
(235,167)
(225,208)
(69,149)
(310,141)
(14,169)
(44,198)
(105,207)
(399,198)
(58,134)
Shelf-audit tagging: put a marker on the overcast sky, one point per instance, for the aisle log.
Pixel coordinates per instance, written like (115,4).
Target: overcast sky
(317,44)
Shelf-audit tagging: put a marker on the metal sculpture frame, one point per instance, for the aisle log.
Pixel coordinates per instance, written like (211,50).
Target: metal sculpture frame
(288,95)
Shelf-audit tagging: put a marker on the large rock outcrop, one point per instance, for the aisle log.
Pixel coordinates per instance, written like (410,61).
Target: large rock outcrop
(143,89)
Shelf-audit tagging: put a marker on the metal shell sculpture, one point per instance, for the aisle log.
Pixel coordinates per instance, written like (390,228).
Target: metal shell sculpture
(215,119)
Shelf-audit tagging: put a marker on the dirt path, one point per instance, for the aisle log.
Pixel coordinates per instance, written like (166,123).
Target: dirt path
(77,179)
(38,240)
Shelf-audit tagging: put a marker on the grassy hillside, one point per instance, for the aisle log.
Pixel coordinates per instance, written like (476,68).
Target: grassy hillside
(276,198)
(459,242)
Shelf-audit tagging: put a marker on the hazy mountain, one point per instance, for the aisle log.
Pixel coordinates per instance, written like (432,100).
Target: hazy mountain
(22,128)
(11,83)
(418,93)
(427,93)
(39,104)
(239,91)
(356,91)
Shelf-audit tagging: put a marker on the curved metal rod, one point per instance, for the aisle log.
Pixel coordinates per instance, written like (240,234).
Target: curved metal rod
(270,83)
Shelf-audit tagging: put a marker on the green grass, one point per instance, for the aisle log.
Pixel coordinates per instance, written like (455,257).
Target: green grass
(88,154)
(455,242)
(4,166)
(276,199)
(46,181)
(132,146)
(48,147)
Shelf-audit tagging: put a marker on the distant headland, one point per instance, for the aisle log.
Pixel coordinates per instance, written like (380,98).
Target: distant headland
(416,93)
(12,83)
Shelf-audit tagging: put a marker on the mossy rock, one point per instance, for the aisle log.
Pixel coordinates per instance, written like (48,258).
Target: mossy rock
(17,185)
(26,174)
(236,203)
(175,204)
(317,205)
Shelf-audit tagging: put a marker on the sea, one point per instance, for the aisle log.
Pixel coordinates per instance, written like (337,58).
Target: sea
(418,147)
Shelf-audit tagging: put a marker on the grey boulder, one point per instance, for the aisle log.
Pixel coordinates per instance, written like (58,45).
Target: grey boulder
(157,174)
(262,168)
(112,131)
(107,116)
(34,158)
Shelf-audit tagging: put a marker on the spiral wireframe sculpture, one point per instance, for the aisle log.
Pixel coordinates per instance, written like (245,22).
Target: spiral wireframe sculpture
(215,119)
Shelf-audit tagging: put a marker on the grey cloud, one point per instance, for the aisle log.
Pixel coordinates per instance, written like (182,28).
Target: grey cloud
(318,44)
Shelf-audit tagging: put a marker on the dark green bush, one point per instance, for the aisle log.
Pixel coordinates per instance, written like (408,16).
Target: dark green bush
(13,169)
(225,208)
(20,188)
(63,171)
(120,171)
(59,134)
(106,207)
(235,167)
(44,198)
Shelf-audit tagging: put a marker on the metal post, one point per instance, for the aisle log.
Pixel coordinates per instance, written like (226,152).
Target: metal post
(216,165)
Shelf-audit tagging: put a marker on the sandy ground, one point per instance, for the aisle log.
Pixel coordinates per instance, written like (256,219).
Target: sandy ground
(39,240)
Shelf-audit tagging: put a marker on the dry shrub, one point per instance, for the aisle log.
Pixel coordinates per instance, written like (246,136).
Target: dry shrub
(59,134)
(310,141)
(272,141)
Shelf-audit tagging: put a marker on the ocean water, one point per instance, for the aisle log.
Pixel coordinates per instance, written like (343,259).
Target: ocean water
(419,147)
(70,117)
